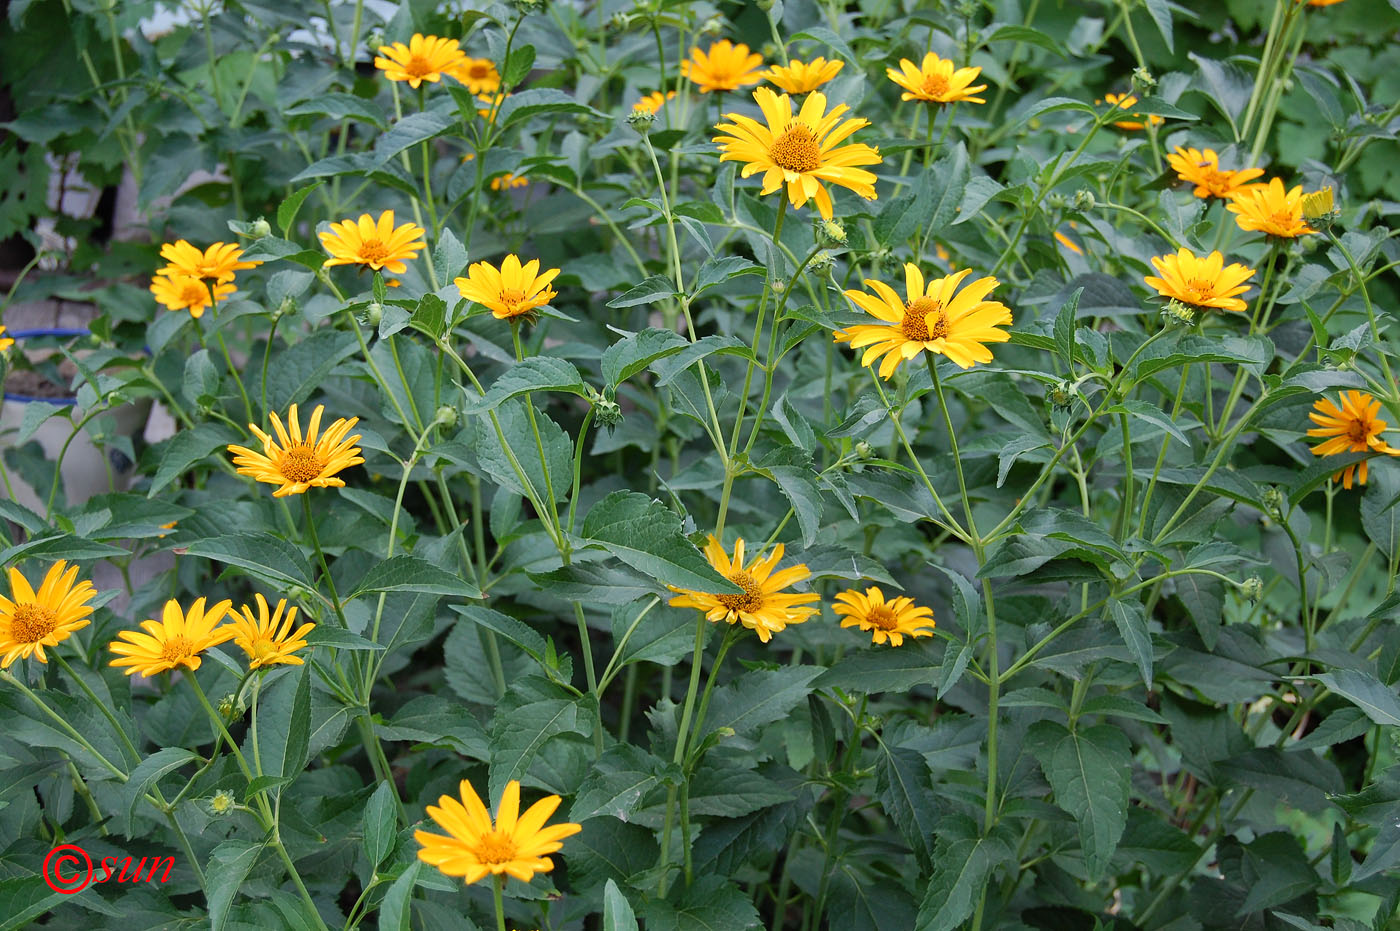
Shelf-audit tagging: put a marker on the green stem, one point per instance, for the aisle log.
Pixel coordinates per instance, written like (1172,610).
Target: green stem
(321,558)
(679,756)
(497,883)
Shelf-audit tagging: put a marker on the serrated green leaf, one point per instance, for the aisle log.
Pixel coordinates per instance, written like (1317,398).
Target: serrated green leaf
(187,447)
(404,573)
(265,556)
(636,351)
(1131,620)
(1366,692)
(287,210)
(617,911)
(760,697)
(649,291)
(380,824)
(538,373)
(1089,770)
(646,535)
(519,733)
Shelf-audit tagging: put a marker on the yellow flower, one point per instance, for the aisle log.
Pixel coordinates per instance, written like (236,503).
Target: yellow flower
(220,261)
(509,291)
(1353,428)
(1068,243)
(799,151)
(1318,204)
(424,58)
(800,77)
(1320,2)
(516,845)
(478,74)
(379,246)
(182,292)
(490,106)
(176,639)
(507,180)
(1268,209)
(1126,101)
(5,341)
(1201,167)
(653,102)
(887,621)
(32,621)
(761,607)
(723,67)
(936,81)
(935,319)
(1201,282)
(269,639)
(296,463)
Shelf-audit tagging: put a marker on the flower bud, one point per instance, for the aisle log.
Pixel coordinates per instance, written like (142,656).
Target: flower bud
(641,120)
(1252,588)
(765,6)
(1273,502)
(1061,397)
(221,803)
(864,450)
(1056,201)
(830,232)
(1319,207)
(446,416)
(1175,311)
(712,27)
(261,228)
(374,313)
(228,707)
(526,7)
(1143,81)
(1083,200)
(770,51)
(822,264)
(605,407)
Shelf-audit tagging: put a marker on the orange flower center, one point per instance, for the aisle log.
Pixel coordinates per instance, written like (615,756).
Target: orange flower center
(372,250)
(32,623)
(883,618)
(301,464)
(749,601)
(480,70)
(176,649)
(495,849)
(1201,289)
(192,293)
(915,325)
(263,650)
(1359,433)
(796,149)
(935,85)
(418,66)
(513,298)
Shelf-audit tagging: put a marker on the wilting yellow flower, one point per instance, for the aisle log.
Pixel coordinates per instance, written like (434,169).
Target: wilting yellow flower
(1269,209)
(653,102)
(1068,243)
(762,606)
(478,74)
(295,462)
(424,58)
(266,638)
(177,639)
(799,151)
(507,180)
(1201,167)
(1125,102)
(182,292)
(936,80)
(508,291)
(5,341)
(723,67)
(516,845)
(379,245)
(935,319)
(1318,204)
(798,77)
(886,621)
(1353,428)
(30,621)
(1202,282)
(220,261)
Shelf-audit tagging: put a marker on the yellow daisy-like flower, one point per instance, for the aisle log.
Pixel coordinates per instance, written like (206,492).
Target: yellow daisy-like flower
(1317,205)
(1352,428)
(762,606)
(379,245)
(798,77)
(937,318)
(1126,102)
(724,66)
(177,639)
(220,261)
(887,621)
(508,291)
(799,151)
(515,845)
(936,80)
(508,180)
(1201,167)
(294,462)
(1269,209)
(268,638)
(1201,282)
(30,621)
(5,341)
(183,292)
(478,74)
(424,58)
(653,102)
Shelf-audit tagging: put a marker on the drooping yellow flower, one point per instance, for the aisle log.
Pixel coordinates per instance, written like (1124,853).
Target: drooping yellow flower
(1352,428)
(268,638)
(378,246)
(182,292)
(798,77)
(508,291)
(1201,282)
(507,180)
(1269,209)
(937,318)
(1127,102)
(886,621)
(220,261)
(294,462)
(478,74)
(30,620)
(5,341)
(424,58)
(653,102)
(799,151)
(177,639)
(1201,167)
(762,607)
(515,845)
(936,80)
(724,66)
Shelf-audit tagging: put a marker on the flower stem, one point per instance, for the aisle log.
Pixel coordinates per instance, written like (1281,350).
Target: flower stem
(321,557)
(700,630)
(497,882)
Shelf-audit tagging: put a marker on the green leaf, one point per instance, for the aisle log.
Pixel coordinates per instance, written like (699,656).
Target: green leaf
(228,866)
(187,447)
(904,787)
(394,911)
(1367,692)
(284,725)
(522,106)
(35,414)
(299,370)
(617,911)
(791,470)
(432,719)
(411,130)
(1380,515)
(963,864)
(635,351)
(1226,86)
(518,65)
(201,383)
(1161,13)
(1273,867)
(381,823)
(711,903)
(148,773)
(1065,322)
(1153,415)
(1131,620)
(287,210)
(759,697)
(616,784)
(261,554)
(323,635)
(516,631)
(405,573)
(607,848)
(337,106)
(515,425)
(430,316)
(672,366)
(538,373)
(518,734)
(1089,771)
(646,535)
(1028,35)
(1051,104)
(718,270)
(881,669)
(649,291)
(830,39)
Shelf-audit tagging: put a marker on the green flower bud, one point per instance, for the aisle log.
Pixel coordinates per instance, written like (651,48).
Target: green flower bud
(1143,81)
(1083,200)
(641,120)
(830,232)
(446,416)
(1177,312)
(222,802)
(261,228)
(1252,588)
(374,313)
